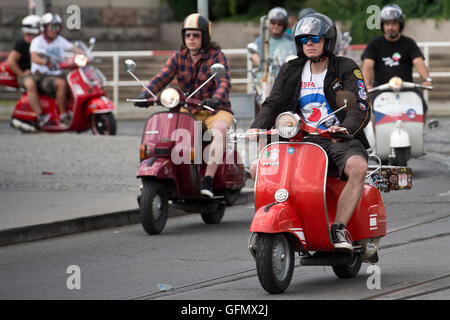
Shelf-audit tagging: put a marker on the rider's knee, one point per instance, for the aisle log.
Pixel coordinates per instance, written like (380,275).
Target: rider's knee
(30,85)
(357,167)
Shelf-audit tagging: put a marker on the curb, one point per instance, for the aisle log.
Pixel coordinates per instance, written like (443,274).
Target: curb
(91,223)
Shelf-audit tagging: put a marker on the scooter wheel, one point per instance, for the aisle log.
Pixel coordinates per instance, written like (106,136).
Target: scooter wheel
(154,206)
(349,270)
(214,217)
(274,262)
(103,124)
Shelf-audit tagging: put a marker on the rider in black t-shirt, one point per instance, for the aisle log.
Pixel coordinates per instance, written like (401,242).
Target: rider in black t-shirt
(20,63)
(393,54)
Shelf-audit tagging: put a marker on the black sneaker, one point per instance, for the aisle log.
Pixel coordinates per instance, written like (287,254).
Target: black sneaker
(339,237)
(207,189)
(65,119)
(43,119)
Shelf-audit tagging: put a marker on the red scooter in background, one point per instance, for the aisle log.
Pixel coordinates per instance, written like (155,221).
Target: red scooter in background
(296,201)
(88,104)
(172,166)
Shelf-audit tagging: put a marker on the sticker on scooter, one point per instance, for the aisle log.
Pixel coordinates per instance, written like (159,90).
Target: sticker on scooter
(291,150)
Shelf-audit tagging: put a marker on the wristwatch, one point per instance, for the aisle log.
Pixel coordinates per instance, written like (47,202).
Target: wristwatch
(428,79)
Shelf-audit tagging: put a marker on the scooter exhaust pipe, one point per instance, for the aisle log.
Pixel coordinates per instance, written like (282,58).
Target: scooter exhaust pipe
(23,126)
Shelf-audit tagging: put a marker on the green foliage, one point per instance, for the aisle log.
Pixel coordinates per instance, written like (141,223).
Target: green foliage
(352,13)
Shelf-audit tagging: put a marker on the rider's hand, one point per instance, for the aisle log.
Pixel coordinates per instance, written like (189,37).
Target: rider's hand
(52,65)
(213,103)
(252,136)
(337,129)
(144,104)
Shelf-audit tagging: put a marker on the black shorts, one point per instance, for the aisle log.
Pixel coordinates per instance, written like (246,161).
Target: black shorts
(339,152)
(46,83)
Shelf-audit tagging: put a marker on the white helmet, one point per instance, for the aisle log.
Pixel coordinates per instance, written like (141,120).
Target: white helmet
(50,19)
(30,24)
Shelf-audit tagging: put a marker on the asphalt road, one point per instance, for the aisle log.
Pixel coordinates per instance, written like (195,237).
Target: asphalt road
(198,261)
(212,261)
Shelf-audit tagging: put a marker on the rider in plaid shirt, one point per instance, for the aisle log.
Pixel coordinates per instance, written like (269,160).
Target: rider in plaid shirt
(191,75)
(191,65)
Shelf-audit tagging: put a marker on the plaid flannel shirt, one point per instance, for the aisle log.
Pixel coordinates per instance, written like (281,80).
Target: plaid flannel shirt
(191,76)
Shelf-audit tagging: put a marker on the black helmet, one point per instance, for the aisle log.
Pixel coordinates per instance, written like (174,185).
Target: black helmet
(316,24)
(392,12)
(196,21)
(304,12)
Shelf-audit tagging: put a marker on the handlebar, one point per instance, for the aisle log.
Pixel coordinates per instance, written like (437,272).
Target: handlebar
(405,85)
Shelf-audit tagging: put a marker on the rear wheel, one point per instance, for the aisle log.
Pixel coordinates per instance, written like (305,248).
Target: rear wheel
(349,270)
(274,262)
(103,123)
(214,217)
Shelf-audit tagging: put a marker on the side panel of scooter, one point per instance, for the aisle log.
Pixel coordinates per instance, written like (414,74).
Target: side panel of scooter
(390,107)
(368,219)
(300,168)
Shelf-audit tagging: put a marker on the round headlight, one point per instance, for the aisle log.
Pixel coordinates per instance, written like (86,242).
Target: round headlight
(395,83)
(170,98)
(80,60)
(288,124)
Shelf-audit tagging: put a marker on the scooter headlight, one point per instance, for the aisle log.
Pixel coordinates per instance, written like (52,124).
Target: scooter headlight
(80,60)
(395,83)
(288,124)
(170,98)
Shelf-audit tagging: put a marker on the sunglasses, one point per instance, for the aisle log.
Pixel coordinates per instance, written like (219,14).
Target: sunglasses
(195,35)
(277,23)
(314,39)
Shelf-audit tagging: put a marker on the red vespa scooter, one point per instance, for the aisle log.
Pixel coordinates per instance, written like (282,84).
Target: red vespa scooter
(296,201)
(171,155)
(90,107)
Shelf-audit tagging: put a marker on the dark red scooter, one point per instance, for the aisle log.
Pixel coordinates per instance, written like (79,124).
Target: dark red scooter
(88,104)
(296,200)
(172,166)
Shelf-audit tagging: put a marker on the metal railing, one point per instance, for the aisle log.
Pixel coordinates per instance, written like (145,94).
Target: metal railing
(115,83)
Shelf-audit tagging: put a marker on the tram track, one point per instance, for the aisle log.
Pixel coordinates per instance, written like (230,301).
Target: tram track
(425,287)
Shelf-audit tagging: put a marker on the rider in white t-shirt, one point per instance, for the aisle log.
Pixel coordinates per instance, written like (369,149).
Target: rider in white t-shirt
(46,51)
(312,103)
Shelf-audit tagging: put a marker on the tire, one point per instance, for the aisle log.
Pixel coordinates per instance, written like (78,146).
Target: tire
(349,270)
(274,262)
(154,206)
(103,124)
(231,196)
(214,217)
(401,156)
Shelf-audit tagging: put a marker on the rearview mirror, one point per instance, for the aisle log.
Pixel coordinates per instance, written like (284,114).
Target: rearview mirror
(345,98)
(130,65)
(218,70)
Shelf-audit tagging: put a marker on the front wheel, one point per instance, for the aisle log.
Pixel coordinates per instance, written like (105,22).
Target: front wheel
(154,206)
(274,262)
(402,156)
(103,124)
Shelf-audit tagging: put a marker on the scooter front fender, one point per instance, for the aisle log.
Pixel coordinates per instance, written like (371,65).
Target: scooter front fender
(99,105)
(278,218)
(399,138)
(161,168)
